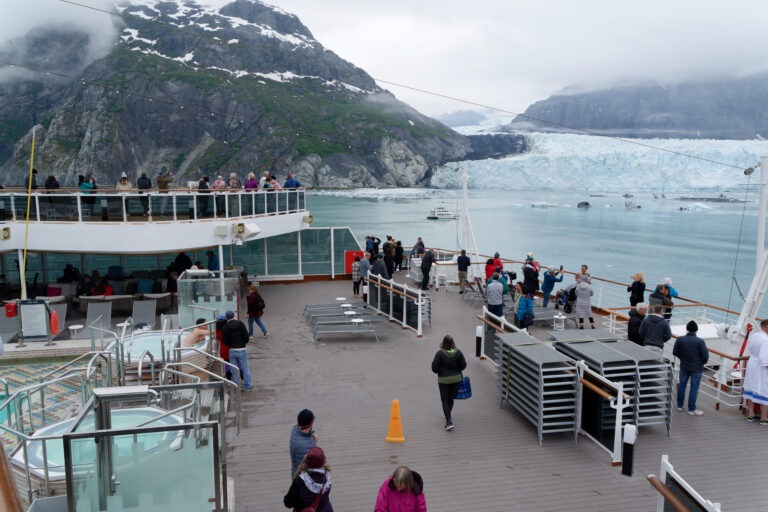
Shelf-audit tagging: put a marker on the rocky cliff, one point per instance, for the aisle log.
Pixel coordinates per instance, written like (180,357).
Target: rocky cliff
(209,91)
(723,109)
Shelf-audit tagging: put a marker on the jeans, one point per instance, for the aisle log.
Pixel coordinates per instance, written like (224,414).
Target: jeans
(496,309)
(694,393)
(424,279)
(256,319)
(356,286)
(547,294)
(462,280)
(239,358)
(447,395)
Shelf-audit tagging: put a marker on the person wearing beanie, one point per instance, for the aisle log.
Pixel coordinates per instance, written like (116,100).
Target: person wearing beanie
(693,354)
(234,335)
(311,486)
(636,317)
(303,438)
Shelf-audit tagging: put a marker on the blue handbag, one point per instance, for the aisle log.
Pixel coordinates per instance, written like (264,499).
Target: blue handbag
(465,389)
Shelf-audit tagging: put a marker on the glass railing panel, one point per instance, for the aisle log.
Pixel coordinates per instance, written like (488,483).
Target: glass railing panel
(161,468)
(102,207)
(272,202)
(136,206)
(57,207)
(19,203)
(316,251)
(282,201)
(235,204)
(283,254)
(161,205)
(250,255)
(246,202)
(185,206)
(343,240)
(261,203)
(219,203)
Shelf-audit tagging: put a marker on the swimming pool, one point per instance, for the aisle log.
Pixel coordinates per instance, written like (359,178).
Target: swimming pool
(151,343)
(121,418)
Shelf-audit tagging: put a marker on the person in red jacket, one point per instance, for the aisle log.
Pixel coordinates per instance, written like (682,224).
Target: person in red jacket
(402,492)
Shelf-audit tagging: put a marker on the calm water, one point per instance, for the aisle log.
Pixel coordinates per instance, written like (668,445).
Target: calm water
(696,248)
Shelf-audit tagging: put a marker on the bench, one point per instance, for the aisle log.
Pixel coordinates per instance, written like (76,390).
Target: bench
(350,329)
(309,308)
(328,312)
(548,314)
(343,319)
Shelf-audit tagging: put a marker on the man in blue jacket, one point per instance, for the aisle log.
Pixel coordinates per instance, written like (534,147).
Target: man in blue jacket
(693,354)
(550,278)
(291,182)
(463,263)
(303,438)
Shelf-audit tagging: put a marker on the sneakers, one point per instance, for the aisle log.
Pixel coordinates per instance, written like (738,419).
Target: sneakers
(449,425)
(679,408)
(751,418)
(697,412)
(761,422)
(266,335)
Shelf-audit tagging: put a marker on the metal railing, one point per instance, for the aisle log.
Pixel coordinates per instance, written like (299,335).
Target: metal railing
(175,205)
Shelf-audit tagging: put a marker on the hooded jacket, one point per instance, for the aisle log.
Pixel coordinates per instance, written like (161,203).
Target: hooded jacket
(530,279)
(392,500)
(448,365)
(235,334)
(633,327)
(549,282)
(305,489)
(655,331)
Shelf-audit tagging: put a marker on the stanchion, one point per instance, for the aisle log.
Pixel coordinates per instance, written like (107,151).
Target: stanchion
(479,341)
(628,449)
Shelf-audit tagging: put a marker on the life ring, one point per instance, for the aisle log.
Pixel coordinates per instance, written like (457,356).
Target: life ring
(54,323)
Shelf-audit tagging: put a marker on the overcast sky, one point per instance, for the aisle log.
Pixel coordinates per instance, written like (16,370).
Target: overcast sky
(505,53)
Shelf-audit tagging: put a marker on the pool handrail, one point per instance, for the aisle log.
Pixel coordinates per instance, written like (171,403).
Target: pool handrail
(164,371)
(175,344)
(107,356)
(5,386)
(226,381)
(140,369)
(165,415)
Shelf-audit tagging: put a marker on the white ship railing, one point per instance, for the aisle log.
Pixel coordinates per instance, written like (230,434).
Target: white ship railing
(176,205)
(379,287)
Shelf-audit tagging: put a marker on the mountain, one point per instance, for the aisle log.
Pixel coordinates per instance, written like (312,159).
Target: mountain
(209,91)
(734,108)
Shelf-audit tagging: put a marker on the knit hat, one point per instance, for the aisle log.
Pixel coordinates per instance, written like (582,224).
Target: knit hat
(220,318)
(305,419)
(692,326)
(230,314)
(315,458)
(124,176)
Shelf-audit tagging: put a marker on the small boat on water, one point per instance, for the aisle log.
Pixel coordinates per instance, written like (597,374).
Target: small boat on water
(631,205)
(441,213)
(540,204)
(584,204)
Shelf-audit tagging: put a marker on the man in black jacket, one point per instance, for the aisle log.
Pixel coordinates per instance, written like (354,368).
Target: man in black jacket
(426,266)
(144,183)
(636,317)
(693,354)
(234,335)
(655,331)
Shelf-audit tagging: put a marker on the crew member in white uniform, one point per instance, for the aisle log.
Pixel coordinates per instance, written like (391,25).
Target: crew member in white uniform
(756,379)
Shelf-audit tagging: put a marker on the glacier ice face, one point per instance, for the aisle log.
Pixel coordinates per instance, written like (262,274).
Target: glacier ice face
(584,162)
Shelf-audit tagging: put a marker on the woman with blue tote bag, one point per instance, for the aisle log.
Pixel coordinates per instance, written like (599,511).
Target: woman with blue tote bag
(448,364)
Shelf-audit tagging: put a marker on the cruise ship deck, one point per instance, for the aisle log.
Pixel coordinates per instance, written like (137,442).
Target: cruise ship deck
(491,461)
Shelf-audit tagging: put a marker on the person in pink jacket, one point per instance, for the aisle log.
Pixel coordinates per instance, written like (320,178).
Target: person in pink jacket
(402,492)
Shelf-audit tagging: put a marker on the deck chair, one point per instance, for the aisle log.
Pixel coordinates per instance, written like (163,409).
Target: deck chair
(101,311)
(144,312)
(172,324)
(9,328)
(61,309)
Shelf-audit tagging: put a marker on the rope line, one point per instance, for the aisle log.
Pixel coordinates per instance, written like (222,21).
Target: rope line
(738,247)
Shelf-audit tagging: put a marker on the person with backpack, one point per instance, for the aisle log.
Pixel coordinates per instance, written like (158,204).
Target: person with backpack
(255,311)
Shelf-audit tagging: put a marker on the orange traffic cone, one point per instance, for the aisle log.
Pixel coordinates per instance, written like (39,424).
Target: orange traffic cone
(395,434)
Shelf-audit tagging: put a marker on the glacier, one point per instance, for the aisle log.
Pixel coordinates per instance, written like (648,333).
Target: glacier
(601,164)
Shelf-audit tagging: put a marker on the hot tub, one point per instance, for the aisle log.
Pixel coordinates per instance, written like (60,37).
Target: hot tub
(150,342)
(121,418)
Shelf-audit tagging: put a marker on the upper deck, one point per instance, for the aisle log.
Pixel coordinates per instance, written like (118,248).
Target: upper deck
(109,221)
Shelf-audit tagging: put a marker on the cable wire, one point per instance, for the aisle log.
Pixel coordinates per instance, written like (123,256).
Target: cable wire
(424,91)
(738,247)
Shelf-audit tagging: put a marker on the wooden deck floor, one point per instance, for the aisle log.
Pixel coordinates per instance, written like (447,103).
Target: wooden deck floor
(490,462)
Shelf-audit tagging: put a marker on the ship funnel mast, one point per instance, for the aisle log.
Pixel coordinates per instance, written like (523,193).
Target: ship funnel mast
(760,280)
(467,240)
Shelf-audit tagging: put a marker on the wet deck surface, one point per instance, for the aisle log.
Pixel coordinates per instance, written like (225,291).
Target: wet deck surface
(491,461)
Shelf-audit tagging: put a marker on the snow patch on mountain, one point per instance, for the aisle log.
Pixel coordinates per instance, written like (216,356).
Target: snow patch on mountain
(571,162)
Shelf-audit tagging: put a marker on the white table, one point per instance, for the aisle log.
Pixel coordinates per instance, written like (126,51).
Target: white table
(74,329)
(357,321)
(341,299)
(346,305)
(350,313)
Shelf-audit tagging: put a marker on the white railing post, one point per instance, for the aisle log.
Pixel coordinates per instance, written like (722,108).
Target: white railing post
(37,207)
(405,303)
(618,430)
(333,262)
(253,204)
(173,205)
(194,211)
(125,213)
(419,315)
(79,208)
(13,208)
(226,205)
